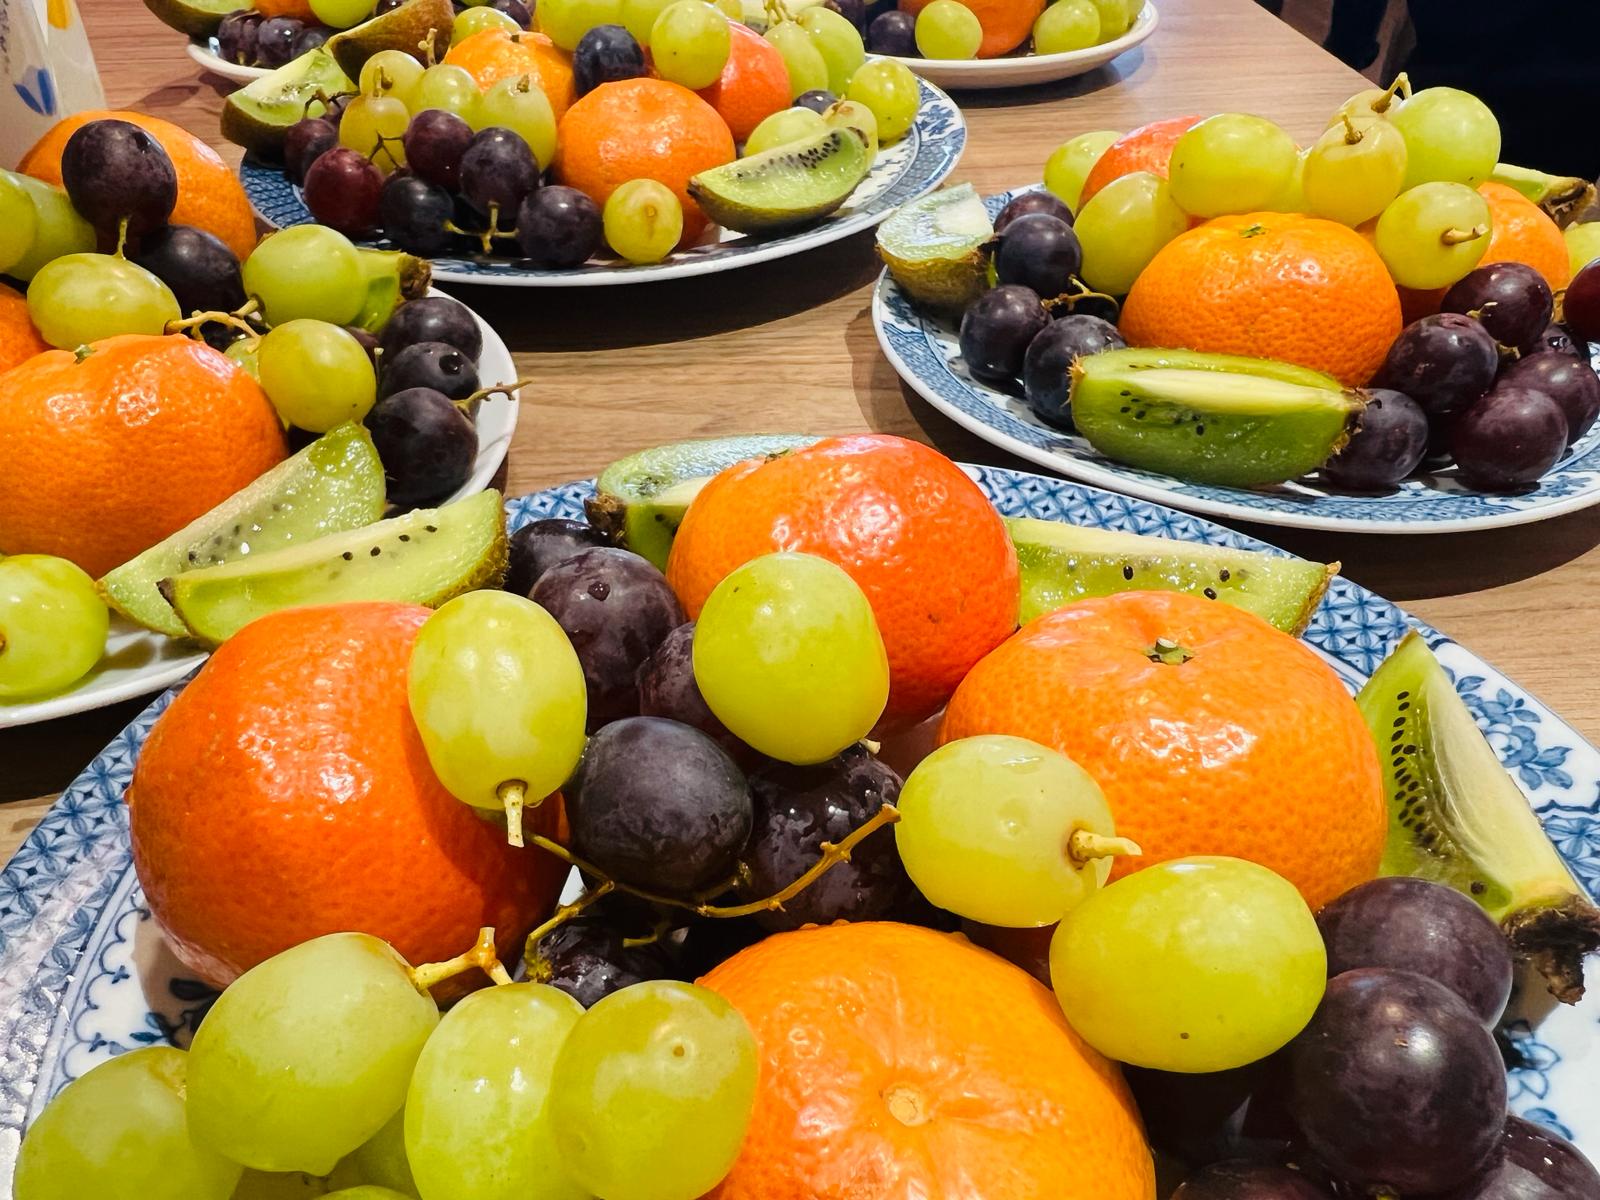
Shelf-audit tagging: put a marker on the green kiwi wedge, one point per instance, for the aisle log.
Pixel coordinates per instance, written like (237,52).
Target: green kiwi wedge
(413,27)
(933,247)
(787,185)
(259,114)
(1458,818)
(393,277)
(194,18)
(1563,197)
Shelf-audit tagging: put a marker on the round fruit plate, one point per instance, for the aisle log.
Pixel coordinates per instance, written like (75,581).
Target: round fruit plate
(204,52)
(909,168)
(138,662)
(924,350)
(85,975)
(1025,69)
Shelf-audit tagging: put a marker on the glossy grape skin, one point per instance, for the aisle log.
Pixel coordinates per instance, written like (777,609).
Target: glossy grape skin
(1510,299)
(518,11)
(1532,1163)
(1444,362)
(559,228)
(1508,439)
(1047,365)
(1036,201)
(305,142)
(818,100)
(1387,445)
(498,171)
(658,805)
(114,170)
(667,688)
(1580,305)
(540,545)
(1397,1084)
(316,374)
(1249,1181)
(1433,234)
(893,32)
(436,365)
(586,959)
(200,270)
(1559,338)
(997,329)
(1450,135)
(275,40)
(606,54)
(1566,379)
(426,443)
(1040,252)
(1069,164)
(306,271)
(416,215)
(1123,226)
(81,298)
(891,92)
(435,141)
(236,36)
(432,319)
(309,38)
(1229,163)
(53,625)
(344,191)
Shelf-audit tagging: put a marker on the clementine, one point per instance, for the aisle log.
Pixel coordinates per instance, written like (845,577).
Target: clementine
(1210,732)
(754,83)
(495,54)
(300,10)
(1006,24)
(909,526)
(285,793)
(897,1062)
(1269,285)
(1147,148)
(19,340)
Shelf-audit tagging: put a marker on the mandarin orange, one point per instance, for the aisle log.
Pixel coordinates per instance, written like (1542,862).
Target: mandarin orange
(19,340)
(495,54)
(754,83)
(300,10)
(1006,24)
(1147,148)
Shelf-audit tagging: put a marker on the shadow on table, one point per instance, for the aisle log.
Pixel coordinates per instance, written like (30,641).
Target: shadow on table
(1097,80)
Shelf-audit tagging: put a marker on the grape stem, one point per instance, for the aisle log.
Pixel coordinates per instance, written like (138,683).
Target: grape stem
(430,56)
(499,389)
(1400,86)
(1454,237)
(323,98)
(1085,845)
(234,320)
(1352,135)
(513,797)
(562,915)
(1080,292)
(483,956)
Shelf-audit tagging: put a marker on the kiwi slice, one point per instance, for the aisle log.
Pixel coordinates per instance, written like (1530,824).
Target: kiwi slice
(1211,418)
(412,27)
(334,484)
(1563,197)
(640,500)
(786,186)
(934,247)
(258,115)
(1062,563)
(1456,817)
(195,18)
(427,556)
(393,277)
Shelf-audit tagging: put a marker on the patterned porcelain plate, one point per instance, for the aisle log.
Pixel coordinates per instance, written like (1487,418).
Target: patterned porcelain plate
(912,167)
(84,974)
(924,351)
(138,662)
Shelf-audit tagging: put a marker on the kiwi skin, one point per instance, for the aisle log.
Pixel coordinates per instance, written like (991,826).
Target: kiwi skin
(822,170)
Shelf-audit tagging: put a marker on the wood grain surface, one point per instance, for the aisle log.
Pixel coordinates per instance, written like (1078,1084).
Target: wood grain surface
(789,345)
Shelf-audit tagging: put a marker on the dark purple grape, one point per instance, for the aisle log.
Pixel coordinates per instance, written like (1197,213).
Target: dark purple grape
(1508,439)
(368,340)
(310,38)
(606,54)
(667,688)
(427,445)
(1443,362)
(1040,252)
(1510,299)
(854,11)
(616,608)
(657,805)
(236,36)
(893,32)
(1396,1084)
(1580,306)
(1202,1118)
(113,170)
(435,141)
(997,329)
(1036,201)
(1386,446)
(818,100)
(1240,1180)
(1045,367)
(433,319)
(1533,1164)
(1566,379)
(1559,338)
(344,191)
(333,108)
(540,545)
(384,6)
(201,271)
(588,960)
(519,12)
(275,41)
(306,141)
(498,171)
(559,228)
(436,365)
(416,214)
(1415,925)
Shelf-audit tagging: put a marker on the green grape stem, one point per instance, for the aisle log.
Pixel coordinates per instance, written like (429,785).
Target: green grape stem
(1400,86)
(1352,135)
(323,98)
(1085,845)
(1080,292)
(499,389)
(1454,237)
(562,915)
(483,956)
(430,56)
(234,320)
(513,796)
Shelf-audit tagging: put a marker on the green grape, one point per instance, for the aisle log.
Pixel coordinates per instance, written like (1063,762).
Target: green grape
(732,9)
(1069,164)
(1230,163)
(520,105)
(1065,26)
(475,20)
(1353,170)
(373,126)
(52,625)
(1373,102)
(477,1119)
(1116,17)
(1583,244)
(1433,234)
(85,297)
(119,1133)
(643,221)
(316,375)
(565,22)
(639,17)
(653,1092)
(392,73)
(449,87)
(784,126)
(58,230)
(1293,197)
(1122,228)
(18,222)
(839,42)
(305,1056)
(498,694)
(247,353)
(891,91)
(808,70)
(1193,965)
(341,14)
(788,656)
(949,29)
(380,1160)
(306,271)
(849,114)
(689,43)
(279,1185)
(366,1191)
(1451,136)
(987,827)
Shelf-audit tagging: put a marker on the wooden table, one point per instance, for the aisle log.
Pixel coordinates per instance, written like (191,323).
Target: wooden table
(789,345)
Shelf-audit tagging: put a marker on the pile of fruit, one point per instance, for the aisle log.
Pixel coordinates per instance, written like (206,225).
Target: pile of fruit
(1389,298)
(1292,916)
(270,33)
(967,29)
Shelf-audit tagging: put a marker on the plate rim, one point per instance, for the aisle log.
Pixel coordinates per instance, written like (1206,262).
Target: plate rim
(206,58)
(1030,70)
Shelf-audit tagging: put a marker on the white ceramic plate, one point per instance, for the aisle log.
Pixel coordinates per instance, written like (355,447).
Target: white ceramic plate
(205,53)
(1024,69)
(138,662)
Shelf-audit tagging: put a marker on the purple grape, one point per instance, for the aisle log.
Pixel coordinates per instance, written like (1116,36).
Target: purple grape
(1048,362)
(416,214)
(667,688)
(236,36)
(606,54)
(498,171)
(275,41)
(1036,201)
(309,39)
(895,33)
(306,141)
(436,365)
(384,6)
(427,445)
(333,108)
(1510,299)
(433,319)
(1566,379)
(588,960)
(1533,1164)
(616,608)
(344,191)
(1580,305)
(818,100)
(559,228)
(1202,1118)
(658,805)
(540,545)
(1386,447)
(1558,337)
(997,329)
(519,12)
(1241,1180)
(854,11)
(115,171)
(435,141)
(1508,439)
(1396,1084)
(1040,252)
(1443,362)
(201,271)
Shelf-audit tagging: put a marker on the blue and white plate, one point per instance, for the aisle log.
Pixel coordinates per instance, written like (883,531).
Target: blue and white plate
(84,974)
(924,350)
(911,167)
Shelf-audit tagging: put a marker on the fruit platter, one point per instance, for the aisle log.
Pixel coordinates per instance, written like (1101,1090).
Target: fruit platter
(1130,858)
(1172,337)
